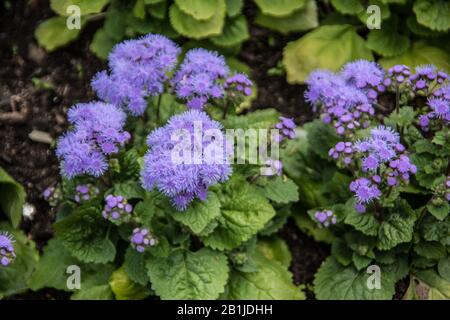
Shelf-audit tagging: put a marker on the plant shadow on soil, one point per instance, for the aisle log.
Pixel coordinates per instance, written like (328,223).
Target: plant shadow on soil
(44,85)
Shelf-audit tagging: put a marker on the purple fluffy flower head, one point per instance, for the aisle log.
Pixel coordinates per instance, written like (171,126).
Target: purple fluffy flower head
(341,102)
(365,191)
(142,239)
(186,156)
(7,254)
(365,75)
(200,77)
(97,132)
(325,218)
(238,85)
(117,209)
(138,69)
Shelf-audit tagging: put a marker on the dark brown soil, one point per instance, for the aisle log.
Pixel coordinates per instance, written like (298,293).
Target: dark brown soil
(40,87)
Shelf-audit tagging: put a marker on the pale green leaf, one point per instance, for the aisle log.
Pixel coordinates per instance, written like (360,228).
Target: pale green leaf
(12,198)
(327,47)
(279,8)
(199,9)
(86,6)
(126,289)
(53,33)
(434,14)
(301,20)
(187,26)
(234,32)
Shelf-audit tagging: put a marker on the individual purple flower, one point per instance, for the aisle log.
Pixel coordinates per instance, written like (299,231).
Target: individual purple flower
(287,128)
(365,191)
(97,133)
(138,69)
(200,77)
(7,254)
(440,109)
(186,156)
(443,92)
(238,85)
(142,239)
(117,209)
(85,192)
(325,218)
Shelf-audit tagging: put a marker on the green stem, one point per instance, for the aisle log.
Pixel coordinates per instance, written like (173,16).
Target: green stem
(158,105)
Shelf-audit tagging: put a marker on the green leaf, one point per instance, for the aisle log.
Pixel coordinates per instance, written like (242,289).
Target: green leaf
(341,252)
(139,9)
(279,8)
(129,190)
(405,117)
(234,32)
(280,190)
(86,6)
(53,33)
(366,223)
(259,119)
(435,230)
(102,44)
(95,283)
(198,9)
(430,250)
(14,278)
(360,262)
(327,47)
(234,7)
(336,282)
(396,229)
(84,234)
(434,14)
(187,26)
(134,266)
(301,20)
(419,54)
(352,7)
(440,212)
(52,267)
(158,10)
(387,41)
(199,214)
(271,281)
(275,249)
(444,268)
(320,137)
(125,289)
(12,198)
(244,212)
(419,29)
(189,275)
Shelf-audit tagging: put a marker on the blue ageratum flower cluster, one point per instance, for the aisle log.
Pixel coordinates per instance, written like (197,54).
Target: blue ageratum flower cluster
(429,82)
(381,157)
(138,69)
(325,218)
(142,239)
(7,254)
(97,133)
(346,99)
(117,209)
(183,180)
(200,77)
